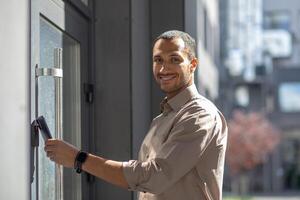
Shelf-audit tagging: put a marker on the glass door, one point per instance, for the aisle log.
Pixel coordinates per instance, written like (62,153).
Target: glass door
(59,49)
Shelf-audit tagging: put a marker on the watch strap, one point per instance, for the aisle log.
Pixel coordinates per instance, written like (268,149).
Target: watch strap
(79,160)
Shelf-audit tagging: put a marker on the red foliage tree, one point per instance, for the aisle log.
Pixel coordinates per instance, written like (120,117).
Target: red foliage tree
(251,138)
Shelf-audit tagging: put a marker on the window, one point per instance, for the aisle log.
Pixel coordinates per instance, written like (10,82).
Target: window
(289,97)
(242,97)
(277,20)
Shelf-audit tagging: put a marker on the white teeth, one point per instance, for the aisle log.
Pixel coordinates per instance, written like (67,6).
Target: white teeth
(166,78)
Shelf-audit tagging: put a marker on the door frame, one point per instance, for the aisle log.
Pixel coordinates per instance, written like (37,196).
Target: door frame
(75,24)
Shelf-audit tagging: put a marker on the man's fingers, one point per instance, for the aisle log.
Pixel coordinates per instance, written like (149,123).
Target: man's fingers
(50,153)
(49,148)
(52,158)
(51,142)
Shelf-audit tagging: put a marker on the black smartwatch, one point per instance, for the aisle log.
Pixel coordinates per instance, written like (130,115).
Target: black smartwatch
(79,160)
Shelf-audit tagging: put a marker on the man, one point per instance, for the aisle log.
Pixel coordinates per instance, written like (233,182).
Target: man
(182,156)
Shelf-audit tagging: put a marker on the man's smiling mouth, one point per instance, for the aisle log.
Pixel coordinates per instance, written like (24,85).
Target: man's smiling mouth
(166,77)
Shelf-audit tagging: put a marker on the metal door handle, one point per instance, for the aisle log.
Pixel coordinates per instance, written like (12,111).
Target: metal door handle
(55,72)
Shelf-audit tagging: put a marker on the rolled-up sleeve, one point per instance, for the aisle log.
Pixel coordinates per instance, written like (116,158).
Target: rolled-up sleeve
(181,151)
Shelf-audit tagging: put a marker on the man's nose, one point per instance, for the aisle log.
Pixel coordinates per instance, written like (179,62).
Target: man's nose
(163,68)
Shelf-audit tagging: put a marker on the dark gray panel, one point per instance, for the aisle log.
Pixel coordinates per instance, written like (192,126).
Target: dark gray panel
(112,88)
(141,73)
(166,16)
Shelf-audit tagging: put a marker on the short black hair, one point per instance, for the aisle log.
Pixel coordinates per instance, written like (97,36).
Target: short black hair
(189,42)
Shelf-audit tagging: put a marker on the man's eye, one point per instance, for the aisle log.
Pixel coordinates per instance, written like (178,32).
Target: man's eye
(157,60)
(175,60)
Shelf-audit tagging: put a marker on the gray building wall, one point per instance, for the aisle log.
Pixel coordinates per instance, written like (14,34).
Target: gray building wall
(141,72)
(15,107)
(122,83)
(113,106)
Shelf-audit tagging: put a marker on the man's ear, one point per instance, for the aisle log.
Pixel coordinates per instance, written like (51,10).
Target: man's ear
(194,64)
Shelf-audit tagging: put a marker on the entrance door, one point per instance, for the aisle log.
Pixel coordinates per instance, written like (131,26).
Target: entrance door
(59,69)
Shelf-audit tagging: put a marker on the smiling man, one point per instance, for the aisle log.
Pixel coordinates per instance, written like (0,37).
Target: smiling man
(182,156)
(174,63)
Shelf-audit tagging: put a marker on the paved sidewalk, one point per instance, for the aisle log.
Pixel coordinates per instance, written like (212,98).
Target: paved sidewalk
(265,197)
(276,198)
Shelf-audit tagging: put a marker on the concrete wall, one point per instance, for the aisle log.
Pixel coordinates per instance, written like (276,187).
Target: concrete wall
(14,115)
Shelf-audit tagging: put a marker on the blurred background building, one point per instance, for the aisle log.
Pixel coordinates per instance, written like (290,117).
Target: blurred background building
(260,61)
(281,41)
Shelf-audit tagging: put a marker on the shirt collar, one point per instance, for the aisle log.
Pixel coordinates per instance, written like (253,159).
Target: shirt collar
(176,102)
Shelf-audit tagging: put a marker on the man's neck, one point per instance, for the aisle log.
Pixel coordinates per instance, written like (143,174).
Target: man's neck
(173,94)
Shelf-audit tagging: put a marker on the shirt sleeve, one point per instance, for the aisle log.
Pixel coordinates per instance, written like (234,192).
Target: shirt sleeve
(182,150)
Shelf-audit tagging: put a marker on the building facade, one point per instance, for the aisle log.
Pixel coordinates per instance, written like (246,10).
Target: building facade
(281,19)
(263,36)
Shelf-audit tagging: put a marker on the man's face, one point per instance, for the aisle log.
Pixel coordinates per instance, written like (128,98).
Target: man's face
(172,68)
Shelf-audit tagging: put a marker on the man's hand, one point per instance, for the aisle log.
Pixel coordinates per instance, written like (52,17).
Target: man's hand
(64,154)
(61,152)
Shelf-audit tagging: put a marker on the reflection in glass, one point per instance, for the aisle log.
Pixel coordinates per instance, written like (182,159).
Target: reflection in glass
(289,97)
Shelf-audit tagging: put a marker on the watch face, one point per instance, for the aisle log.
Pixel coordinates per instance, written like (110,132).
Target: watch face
(82,156)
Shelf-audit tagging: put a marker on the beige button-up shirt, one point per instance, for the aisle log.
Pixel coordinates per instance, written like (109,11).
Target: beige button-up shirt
(182,156)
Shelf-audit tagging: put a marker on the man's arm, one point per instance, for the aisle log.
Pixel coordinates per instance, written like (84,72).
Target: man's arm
(64,154)
(108,170)
(181,152)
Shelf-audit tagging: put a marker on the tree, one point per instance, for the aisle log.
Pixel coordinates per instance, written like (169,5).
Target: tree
(251,138)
